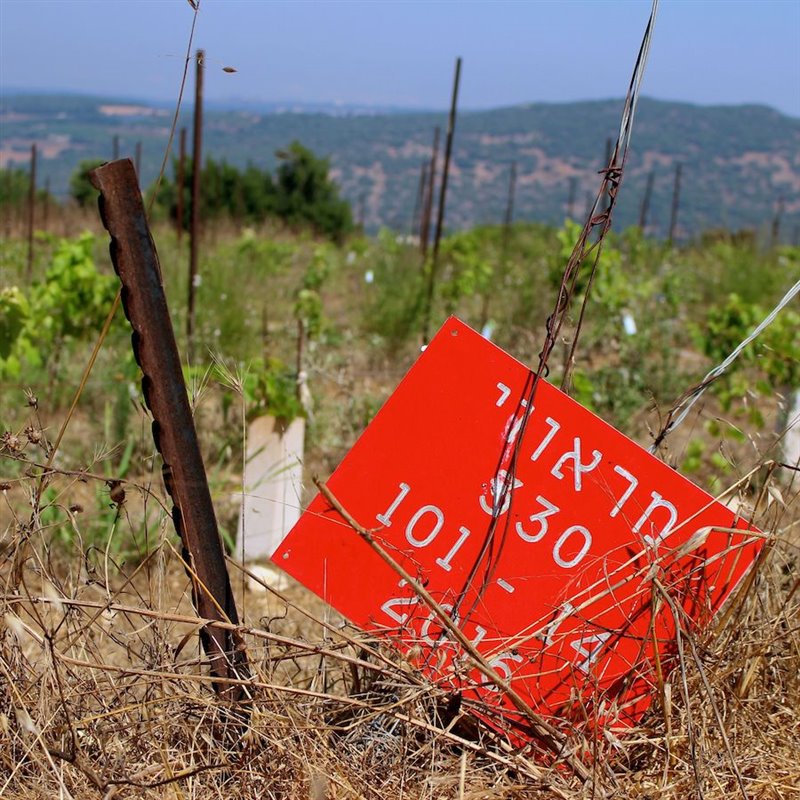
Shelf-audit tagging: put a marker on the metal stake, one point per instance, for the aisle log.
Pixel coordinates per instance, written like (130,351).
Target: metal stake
(31,209)
(573,189)
(676,199)
(180,182)
(416,219)
(428,209)
(135,260)
(648,193)
(448,149)
(194,232)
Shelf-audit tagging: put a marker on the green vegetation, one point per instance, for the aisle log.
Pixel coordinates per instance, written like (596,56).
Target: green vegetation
(80,187)
(300,194)
(357,306)
(68,305)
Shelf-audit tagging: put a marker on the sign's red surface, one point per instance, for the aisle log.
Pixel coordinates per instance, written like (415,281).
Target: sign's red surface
(597,550)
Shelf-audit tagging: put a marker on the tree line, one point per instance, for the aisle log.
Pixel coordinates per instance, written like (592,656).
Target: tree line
(299,193)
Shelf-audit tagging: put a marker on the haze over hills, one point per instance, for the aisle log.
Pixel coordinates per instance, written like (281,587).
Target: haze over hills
(738,161)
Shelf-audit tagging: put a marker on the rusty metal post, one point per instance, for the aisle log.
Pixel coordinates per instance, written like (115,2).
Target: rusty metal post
(648,194)
(194,229)
(135,260)
(676,201)
(428,205)
(31,209)
(179,181)
(448,150)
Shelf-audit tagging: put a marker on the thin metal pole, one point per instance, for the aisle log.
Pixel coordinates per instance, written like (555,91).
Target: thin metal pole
(31,209)
(512,187)
(589,203)
(135,260)
(448,150)
(46,204)
(428,209)
(115,148)
(573,190)
(194,233)
(180,181)
(299,377)
(8,177)
(505,243)
(416,218)
(362,210)
(644,210)
(676,200)
(776,223)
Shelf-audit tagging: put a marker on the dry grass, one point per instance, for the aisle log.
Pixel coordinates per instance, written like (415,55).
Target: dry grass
(104,691)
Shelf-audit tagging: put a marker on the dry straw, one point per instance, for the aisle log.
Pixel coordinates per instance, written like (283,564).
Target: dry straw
(104,691)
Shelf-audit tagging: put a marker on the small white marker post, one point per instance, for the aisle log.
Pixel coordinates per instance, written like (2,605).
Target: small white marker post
(272,490)
(791,440)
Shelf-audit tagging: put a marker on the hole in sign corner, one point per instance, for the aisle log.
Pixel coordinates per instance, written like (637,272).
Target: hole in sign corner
(454,331)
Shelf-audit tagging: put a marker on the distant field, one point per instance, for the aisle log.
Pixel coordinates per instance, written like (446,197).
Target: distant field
(738,161)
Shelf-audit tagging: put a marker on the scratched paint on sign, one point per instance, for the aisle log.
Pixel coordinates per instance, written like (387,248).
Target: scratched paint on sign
(597,547)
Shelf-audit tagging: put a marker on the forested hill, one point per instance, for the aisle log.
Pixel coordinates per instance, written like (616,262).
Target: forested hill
(738,161)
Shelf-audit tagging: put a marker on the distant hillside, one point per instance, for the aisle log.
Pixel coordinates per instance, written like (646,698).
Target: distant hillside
(737,160)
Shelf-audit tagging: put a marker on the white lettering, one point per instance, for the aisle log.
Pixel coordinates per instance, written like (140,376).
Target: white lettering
(634,482)
(446,562)
(540,518)
(554,429)
(587,543)
(565,612)
(386,517)
(398,602)
(672,512)
(479,634)
(437,526)
(579,468)
(499,489)
(501,665)
(425,628)
(591,654)
(504,393)
(514,424)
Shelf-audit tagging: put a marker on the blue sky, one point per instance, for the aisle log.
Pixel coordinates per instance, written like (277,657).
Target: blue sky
(401,52)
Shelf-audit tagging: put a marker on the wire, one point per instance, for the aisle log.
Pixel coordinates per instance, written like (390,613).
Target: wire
(691,397)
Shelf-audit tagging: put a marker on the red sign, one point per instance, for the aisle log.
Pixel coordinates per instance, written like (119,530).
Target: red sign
(564,551)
